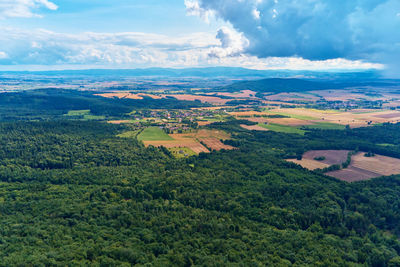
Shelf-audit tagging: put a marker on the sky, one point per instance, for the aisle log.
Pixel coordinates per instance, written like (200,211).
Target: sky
(257,34)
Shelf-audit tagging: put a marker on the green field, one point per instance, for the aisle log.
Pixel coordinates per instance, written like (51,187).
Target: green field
(78,112)
(325,126)
(129,134)
(295,116)
(153,134)
(181,152)
(84,115)
(282,128)
(93,117)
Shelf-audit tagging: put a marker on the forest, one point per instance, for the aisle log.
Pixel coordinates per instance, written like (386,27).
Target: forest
(74,193)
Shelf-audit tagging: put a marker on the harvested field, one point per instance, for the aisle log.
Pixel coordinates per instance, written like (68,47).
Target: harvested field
(253,127)
(204,123)
(203,99)
(189,143)
(309,163)
(360,168)
(215,144)
(332,157)
(352,174)
(192,140)
(389,115)
(257,119)
(242,94)
(121,95)
(378,164)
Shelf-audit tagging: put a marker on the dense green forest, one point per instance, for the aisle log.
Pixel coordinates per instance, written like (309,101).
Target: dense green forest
(73,193)
(44,104)
(279,85)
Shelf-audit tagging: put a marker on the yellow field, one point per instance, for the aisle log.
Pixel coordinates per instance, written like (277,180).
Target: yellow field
(211,138)
(309,163)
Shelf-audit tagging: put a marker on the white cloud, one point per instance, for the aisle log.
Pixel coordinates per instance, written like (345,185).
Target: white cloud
(3,55)
(24,8)
(133,49)
(193,9)
(256,14)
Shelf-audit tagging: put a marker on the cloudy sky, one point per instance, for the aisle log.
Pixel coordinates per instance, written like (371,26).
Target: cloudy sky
(259,34)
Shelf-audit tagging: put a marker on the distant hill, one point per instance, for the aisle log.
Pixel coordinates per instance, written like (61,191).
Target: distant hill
(213,72)
(278,85)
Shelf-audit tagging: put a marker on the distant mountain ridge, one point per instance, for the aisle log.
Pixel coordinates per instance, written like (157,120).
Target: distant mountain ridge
(213,72)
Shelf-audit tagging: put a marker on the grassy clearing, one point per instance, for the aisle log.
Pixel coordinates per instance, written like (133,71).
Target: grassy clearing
(84,115)
(181,152)
(325,126)
(386,145)
(282,128)
(153,134)
(129,134)
(78,112)
(93,117)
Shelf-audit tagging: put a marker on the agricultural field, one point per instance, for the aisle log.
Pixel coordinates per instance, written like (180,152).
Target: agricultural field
(253,127)
(153,134)
(196,141)
(204,99)
(83,115)
(320,159)
(360,168)
(282,128)
(78,112)
(363,168)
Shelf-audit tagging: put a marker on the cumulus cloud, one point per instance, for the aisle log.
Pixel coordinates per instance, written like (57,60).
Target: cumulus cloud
(133,49)
(24,8)
(314,30)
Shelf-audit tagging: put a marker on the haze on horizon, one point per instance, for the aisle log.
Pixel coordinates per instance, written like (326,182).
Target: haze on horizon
(257,34)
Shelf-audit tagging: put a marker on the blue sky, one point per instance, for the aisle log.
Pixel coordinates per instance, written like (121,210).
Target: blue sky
(260,34)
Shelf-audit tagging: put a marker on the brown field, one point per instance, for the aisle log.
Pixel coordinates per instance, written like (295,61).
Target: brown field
(389,115)
(253,127)
(203,99)
(215,144)
(354,118)
(242,94)
(120,95)
(309,164)
(189,143)
(192,140)
(353,174)
(204,123)
(257,119)
(332,157)
(360,168)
